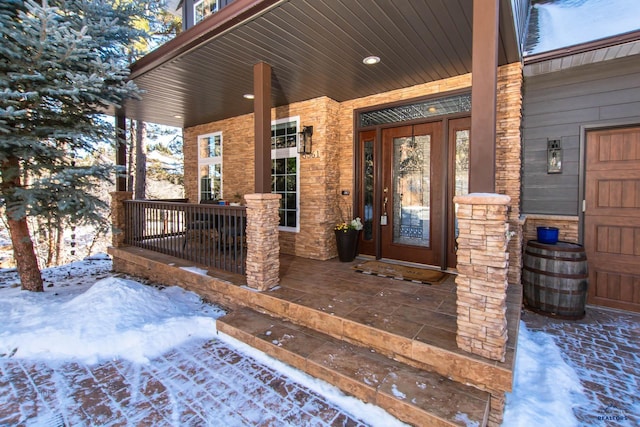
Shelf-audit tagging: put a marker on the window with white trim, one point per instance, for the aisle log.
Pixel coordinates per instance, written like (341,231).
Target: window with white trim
(204,8)
(285,177)
(210,166)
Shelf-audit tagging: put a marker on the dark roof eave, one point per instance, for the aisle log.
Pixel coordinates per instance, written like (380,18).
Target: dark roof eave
(228,17)
(582,48)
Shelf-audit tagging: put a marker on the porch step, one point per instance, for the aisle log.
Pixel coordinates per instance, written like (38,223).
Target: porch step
(432,348)
(412,395)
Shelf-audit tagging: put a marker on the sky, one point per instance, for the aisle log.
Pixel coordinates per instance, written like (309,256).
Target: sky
(563,23)
(89,314)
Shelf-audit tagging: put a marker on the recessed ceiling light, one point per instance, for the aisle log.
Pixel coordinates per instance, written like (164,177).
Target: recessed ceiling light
(371,60)
(248,96)
(432,109)
(177,116)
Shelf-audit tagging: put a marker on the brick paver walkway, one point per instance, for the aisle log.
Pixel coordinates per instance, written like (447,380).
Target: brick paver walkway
(203,383)
(207,383)
(604,350)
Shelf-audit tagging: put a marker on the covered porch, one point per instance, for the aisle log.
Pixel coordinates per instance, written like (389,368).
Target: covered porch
(373,337)
(459,335)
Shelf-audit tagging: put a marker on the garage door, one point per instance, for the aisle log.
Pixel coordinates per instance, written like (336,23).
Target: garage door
(612,217)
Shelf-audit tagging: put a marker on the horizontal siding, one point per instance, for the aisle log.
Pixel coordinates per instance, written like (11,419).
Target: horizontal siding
(623,95)
(565,85)
(555,106)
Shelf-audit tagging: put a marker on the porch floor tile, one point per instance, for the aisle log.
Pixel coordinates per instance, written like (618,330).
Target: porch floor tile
(400,317)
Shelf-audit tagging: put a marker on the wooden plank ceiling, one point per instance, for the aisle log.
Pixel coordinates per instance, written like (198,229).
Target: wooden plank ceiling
(315,48)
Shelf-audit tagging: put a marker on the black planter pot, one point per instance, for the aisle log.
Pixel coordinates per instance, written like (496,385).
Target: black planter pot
(347,243)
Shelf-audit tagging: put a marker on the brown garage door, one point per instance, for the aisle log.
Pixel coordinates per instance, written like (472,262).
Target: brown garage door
(612,217)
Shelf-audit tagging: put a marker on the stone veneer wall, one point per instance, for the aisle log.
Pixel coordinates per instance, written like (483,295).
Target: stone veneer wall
(322,178)
(318,174)
(567,226)
(509,156)
(117,216)
(481,283)
(263,250)
(318,181)
(237,156)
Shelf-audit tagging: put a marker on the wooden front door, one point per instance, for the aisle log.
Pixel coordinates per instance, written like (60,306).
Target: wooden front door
(401,193)
(612,217)
(412,193)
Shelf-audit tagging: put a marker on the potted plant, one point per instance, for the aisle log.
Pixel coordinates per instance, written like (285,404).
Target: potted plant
(237,200)
(347,239)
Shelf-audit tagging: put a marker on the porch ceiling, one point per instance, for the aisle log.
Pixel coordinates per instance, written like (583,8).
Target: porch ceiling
(315,48)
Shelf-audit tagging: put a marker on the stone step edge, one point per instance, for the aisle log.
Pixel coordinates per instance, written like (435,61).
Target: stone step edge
(421,355)
(404,410)
(418,354)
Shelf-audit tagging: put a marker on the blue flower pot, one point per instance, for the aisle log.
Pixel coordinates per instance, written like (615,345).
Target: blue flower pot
(548,235)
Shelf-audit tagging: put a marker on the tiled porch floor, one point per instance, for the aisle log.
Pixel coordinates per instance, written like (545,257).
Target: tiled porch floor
(409,322)
(412,323)
(420,312)
(411,311)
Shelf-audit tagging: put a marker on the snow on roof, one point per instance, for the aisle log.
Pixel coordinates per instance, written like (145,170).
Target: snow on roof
(555,24)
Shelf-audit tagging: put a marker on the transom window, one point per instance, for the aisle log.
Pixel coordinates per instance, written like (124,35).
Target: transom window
(284,172)
(204,8)
(420,110)
(210,166)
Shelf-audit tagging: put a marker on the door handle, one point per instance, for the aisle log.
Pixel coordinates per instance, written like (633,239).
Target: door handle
(383,217)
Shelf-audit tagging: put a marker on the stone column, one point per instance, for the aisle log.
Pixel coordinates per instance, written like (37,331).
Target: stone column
(483,263)
(263,247)
(118,222)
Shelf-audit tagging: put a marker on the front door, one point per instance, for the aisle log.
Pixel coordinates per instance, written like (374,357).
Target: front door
(612,217)
(402,193)
(412,167)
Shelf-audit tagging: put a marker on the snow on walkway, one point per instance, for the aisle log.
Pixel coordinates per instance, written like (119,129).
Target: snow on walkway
(98,348)
(118,352)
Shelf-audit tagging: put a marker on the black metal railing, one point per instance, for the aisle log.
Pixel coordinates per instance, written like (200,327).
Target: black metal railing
(211,235)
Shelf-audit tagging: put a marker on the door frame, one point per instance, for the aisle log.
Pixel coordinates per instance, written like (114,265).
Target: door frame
(445,204)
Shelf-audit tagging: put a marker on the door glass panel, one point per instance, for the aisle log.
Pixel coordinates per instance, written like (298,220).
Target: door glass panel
(462,163)
(367,180)
(462,168)
(412,190)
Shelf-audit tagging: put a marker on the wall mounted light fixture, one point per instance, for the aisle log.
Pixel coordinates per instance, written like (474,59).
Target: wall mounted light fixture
(554,156)
(305,140)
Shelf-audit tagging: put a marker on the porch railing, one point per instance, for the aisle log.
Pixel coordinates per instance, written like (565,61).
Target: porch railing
(211,235)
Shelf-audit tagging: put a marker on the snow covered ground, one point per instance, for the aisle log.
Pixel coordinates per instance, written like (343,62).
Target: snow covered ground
(89,315)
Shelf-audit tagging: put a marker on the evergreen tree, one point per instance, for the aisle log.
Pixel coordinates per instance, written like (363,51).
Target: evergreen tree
(63,63)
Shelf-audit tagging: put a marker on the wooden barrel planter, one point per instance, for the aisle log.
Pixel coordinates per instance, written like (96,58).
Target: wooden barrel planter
(555,279)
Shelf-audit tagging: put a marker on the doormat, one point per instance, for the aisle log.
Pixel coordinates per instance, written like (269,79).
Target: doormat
(402,272)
